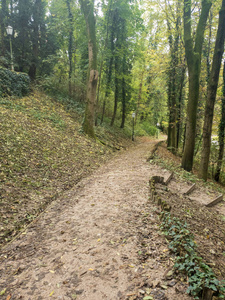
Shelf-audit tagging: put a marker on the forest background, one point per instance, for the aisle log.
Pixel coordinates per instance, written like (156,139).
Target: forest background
(158,59)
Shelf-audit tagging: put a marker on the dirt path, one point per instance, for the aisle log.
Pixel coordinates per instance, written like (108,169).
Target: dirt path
(89,244)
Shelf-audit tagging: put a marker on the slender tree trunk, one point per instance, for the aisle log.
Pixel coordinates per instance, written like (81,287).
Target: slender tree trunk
(209,46)
(100,72)
(36,23)
(89,117)
(116,94)
(3,14)
(98,93)
(139,96)
(173,83)
(169,92)
(193,56)
(109,76)
(179,108)
(70,45)
(221,132)
(211,95)
(123,94)
(123,103)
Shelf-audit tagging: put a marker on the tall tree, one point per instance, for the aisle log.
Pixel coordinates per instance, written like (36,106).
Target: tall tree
(23,13)
(211,94)
(193,52)
(70,43)
(117,66)
(109,60)
(87,7)
(173,80)
(221,131)
(38,19)
(3,15)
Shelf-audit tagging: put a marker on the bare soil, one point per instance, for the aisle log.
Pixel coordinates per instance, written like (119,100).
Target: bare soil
(100,240)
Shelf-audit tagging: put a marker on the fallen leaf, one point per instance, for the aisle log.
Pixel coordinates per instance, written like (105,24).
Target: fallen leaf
(148,298)
(51,271)
(51,293)
(8,297)
(2,292)
(91,269)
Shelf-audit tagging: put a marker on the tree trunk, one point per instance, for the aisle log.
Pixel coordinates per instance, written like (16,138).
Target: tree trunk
(169,92)
(102,59)
(211,94)
(98,93)
(87,7)
(3,15)
(116,94)
(221,131)
(139,96)
(123,103)
(179,108)
(36,23)
(70,45)
(193,56)
(107,92)
(123,94)
(173,83)
(109,76)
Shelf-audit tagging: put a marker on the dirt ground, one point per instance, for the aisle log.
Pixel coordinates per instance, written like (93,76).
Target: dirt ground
(89,243)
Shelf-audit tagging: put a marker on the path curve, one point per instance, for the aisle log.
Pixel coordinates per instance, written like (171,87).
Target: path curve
(84,246)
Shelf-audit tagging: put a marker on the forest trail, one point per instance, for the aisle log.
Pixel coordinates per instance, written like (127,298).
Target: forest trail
(87,244)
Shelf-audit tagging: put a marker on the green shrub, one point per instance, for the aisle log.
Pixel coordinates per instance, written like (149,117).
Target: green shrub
(139,131)
(13,83)
(151,130)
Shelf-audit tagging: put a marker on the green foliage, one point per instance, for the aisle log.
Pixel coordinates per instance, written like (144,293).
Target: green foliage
(187,261)
(13,84)
(149,129)
(54,85)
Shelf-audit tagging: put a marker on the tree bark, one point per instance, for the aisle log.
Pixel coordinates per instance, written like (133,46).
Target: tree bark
(3,15)
(221,132)
(179,108)
(211,94)
(87,7)
(173,82)
(101,67)
(35,39)
(139,96)
(123,94)
(193,56)
(116,93)
(107,92)
(70,45)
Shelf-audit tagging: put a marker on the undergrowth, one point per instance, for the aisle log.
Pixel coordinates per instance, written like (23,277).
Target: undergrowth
(13,83)
(182,244)
(178,170)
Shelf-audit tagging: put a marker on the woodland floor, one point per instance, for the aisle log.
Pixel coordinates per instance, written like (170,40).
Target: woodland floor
(89,242)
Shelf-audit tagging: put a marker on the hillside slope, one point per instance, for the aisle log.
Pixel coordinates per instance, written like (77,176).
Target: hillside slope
(42,153)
